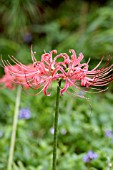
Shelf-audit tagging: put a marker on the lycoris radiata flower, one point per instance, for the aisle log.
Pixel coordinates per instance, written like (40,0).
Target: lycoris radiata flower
(68,69)
(9,81)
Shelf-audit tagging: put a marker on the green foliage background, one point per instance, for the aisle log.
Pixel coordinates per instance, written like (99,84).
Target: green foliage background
(86,26)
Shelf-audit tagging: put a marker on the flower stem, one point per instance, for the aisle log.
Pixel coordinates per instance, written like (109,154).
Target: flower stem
(89,165)
(56,126)
(13,137)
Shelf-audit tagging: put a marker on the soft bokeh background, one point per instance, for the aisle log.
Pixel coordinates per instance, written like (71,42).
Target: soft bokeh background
(87,27)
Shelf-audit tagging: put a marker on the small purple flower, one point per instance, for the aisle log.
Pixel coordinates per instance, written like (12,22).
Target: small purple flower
(109,133)
(63,131)
(1,134)
(52,130)
(27,38)
(90,156)
(24,113)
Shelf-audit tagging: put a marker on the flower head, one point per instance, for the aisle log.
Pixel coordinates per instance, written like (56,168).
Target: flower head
(1,134)
(24,113)
(68,69)
(90,156)
(10,81)
(52,130)
(109,134)
(7,79)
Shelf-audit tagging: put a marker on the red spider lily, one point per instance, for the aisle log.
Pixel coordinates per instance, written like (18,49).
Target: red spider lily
(10,80)
(7,79)
(69,70)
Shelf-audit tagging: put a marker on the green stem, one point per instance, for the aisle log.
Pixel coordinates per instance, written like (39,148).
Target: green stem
(13,137)
(88,165)
(56,126)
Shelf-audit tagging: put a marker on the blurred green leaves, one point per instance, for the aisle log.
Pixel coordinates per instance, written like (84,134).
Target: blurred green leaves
(16,16)
(81,128)
(83,26)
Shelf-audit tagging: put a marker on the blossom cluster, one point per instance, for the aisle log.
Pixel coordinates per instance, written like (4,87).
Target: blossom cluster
(10,81)
(90,156)
(109,134)
(61,67)
(24,113)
